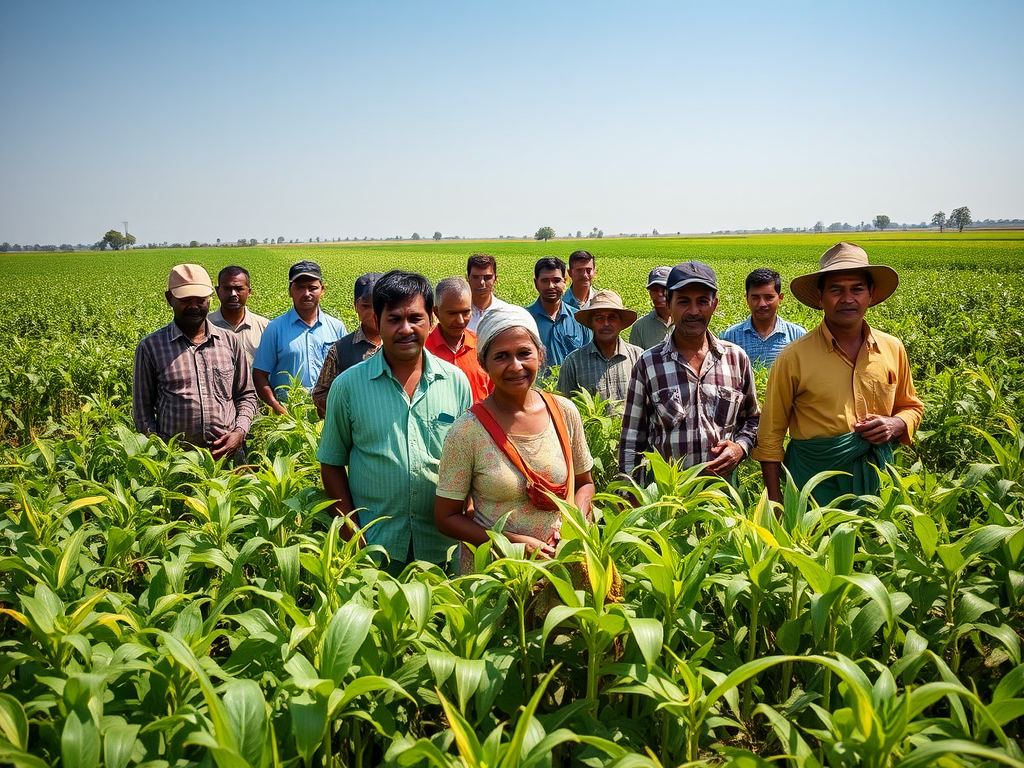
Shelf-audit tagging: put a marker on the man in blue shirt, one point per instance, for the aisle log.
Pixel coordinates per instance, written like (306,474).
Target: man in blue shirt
(556,320)
(763,335)
(295,343)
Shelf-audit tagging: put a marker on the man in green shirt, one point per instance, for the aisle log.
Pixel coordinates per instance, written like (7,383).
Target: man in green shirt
(656,326)
(385,424)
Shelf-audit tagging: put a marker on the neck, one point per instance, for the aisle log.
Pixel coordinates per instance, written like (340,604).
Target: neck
(763,327)
(851,335)
(195,334)
(608,347)
(308,316)
(482,302)
(453,342)
(507,403)
(662,312)
(551,307)
(690,345)
(403,368)
(579,291)
(371,334)
(233,316)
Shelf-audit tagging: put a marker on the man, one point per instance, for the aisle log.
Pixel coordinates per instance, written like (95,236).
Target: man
(482,273)
(654,327)
(763,335)
(234,290)
(386,421)
(692,397)
(843,391)
(556,320)
(359,345)
(451,340)
(604,365)
(191,378)
(582,271)
(295,343)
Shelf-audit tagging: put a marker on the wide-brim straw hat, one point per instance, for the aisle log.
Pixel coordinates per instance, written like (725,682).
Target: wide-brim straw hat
(602,302)
(845,257)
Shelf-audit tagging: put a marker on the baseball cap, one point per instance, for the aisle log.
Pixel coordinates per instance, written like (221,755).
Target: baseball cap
(189,280)
(692,272)
(305,269)
(365,283)
(658,276)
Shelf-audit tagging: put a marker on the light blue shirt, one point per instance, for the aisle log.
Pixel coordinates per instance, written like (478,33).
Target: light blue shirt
(762,352)
(561,335)
(289,348)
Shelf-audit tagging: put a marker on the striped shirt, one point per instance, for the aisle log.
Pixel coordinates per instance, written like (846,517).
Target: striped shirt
(200,391)
(587,368)
(650,330)
(391,445)
(683,414)
(561,335)
(289,348)
(762,352)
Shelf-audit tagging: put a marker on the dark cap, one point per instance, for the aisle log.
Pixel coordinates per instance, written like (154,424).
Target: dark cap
(305,269)
(365,283)
(690,273)
(659,276)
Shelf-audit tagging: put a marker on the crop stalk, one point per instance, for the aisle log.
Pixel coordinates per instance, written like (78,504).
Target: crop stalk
(787,668)
(755,611)
(527,675)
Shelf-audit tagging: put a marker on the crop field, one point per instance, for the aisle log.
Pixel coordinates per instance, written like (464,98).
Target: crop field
(160,609)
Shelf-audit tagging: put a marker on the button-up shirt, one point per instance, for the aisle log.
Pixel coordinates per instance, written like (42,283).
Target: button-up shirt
(200,391)
(289,348)
(249,331)
(561,335)
(650,330)
(816,390)
(464,359)
(587,368)
(762,352)
(682,413)
(570,298)
(477,314)
(391,445)
(343,354)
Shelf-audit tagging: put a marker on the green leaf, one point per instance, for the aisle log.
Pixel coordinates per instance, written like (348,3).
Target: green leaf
(13,721)
(288,564)
(928,755)
(817,577)
(649,635)
(80,740)
(345,633)
(788,637)
(927,533)
(468,674)
(118,745)
(247,714)
(309,723)
(417,594)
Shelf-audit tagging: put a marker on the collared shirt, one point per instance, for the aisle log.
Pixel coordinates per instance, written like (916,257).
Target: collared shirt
(816,390)
(561,335)
(343,354)
(465,359)
(587,368)
(650,330)
(762,352)
(391,445)
(201,391)
(291,348)
(474,319)
(570,298)
(249,331)
(683,414)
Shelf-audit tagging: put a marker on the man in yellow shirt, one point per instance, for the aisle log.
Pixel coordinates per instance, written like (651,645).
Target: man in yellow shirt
(844,391)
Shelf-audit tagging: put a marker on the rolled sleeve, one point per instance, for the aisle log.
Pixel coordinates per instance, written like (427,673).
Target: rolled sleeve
(749,416)
(144,392)
(907,405)
(336,438)
(634,437)
(778,405)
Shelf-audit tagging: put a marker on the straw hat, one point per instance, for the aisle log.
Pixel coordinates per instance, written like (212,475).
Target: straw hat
(844,257)
(603,301)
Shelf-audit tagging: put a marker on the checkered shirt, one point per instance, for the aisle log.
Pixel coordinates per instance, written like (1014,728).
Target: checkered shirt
(762,352)
(588,369)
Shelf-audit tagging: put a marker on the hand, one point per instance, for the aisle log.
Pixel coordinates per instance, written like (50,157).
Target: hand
(726,456)
(279,409)
(544,550)
(880,429)
(227,444)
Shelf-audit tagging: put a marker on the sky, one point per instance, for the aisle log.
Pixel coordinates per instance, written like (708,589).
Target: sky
(214,119)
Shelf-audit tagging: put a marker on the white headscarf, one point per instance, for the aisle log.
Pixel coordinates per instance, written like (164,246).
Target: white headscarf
(500,319)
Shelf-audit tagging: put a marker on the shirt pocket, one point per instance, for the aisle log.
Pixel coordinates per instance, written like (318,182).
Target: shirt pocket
(223,384)
(669,410)
(721,404)
(883,390)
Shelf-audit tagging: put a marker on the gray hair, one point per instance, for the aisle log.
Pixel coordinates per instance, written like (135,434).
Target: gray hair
(455,286)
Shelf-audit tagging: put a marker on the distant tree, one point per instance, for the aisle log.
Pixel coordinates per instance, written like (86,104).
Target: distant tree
(960,218)
(252,241)
(437,235)
(578,233)
(415,236)
(67,247)
(265,239)
(193,243)
(881,221)
(218,241)
(5,248)
(819,227)
(544,233)
(280,240)
(115,240)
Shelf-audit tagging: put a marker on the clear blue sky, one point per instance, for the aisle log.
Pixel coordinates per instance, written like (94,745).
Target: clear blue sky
(225,120)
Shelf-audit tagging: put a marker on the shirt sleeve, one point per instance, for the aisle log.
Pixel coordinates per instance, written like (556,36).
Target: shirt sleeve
(634,440)
(328,373)
(266,354)
(458,460)
(244,391)
(144,391)
(582,461)
(336,437)
(750,412)
(907,405)
(778,409)
(634,334)
(568,382)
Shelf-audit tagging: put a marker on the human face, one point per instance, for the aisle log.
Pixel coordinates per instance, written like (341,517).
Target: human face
(364,309)
(550,285)
(233,292)
(453,315)
(190,312)
(658,296)
(482,280)
(691,308)
(306,293)
(607,324)
(513,361)
(404,328)
(582,274)
(763,302)
(845,297)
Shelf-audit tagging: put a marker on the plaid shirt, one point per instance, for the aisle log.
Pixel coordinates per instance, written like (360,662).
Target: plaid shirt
(682,415)
(200,391)
(762,352)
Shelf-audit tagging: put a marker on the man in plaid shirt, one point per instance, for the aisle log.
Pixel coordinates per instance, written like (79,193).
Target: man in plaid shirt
(691,398)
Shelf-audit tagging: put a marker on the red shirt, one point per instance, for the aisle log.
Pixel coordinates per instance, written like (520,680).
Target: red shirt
(479,382)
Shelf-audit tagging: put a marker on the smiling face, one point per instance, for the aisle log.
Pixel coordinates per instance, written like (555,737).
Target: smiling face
(550,285)
(692,308)
(306,293)
(845,298)
(404,328)
(513,361)
(233,292)
(763,302)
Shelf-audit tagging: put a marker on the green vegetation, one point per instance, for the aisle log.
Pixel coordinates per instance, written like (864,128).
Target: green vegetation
(158,609)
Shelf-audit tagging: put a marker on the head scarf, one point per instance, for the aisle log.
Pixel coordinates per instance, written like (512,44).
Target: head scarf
(500,319)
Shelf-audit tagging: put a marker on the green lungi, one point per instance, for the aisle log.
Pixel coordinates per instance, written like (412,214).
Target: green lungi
(846,453)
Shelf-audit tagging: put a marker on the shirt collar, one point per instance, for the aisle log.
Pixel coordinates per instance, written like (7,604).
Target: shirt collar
(537,310)
(831,343)
(592,348)
(212,331)
(668,347)
(358,337)
(294,317)
(378,366)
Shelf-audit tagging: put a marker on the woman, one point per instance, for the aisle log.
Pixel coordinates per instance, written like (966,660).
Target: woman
(502,453)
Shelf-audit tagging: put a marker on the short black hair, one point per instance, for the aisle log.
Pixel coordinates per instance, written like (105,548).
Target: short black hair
(397,287)
(481,261)
(580,257)
(763,276)
(866,274)
(548,262)
(232,271)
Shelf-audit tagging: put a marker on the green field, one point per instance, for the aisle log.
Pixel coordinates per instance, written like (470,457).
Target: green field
(158,609)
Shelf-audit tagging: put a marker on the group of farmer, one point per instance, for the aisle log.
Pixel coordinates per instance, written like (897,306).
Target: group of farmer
(435,432)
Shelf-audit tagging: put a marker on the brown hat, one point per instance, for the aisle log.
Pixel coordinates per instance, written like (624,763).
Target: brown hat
(844,257)
(605,300)
(188,280)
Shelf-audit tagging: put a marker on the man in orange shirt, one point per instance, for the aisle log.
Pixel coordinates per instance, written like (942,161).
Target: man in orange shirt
(844,391)
(451,340)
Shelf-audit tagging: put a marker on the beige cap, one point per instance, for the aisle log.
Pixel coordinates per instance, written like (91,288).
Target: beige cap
(845,257)
(189,280)
(603,301)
